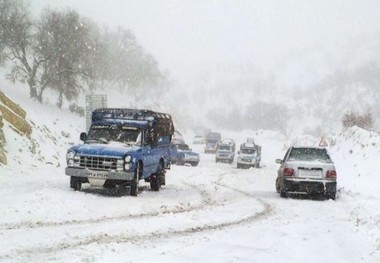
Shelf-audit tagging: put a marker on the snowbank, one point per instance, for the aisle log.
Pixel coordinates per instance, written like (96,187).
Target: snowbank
(356,154)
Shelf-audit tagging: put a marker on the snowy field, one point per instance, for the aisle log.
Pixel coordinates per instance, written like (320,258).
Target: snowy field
(210,213)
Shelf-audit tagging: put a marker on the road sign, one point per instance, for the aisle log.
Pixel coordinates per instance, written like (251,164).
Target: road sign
(323,142)
(93,102)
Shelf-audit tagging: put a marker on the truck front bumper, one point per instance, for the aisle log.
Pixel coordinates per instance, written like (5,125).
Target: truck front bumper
(109,175)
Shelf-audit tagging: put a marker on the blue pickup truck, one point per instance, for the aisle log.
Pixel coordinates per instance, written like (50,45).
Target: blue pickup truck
(122,147)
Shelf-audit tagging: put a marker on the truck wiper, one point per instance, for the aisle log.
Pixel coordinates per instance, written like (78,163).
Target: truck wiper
(131,143)
(102,140)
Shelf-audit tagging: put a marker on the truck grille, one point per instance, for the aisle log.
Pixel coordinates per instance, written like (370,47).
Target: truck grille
(98,163)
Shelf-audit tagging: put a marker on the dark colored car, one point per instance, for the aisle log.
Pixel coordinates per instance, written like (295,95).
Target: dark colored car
(186,155)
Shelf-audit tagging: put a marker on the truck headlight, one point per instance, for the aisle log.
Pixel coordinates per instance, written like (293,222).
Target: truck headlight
(128,166)
(70,158)
(70,155)
(128,159)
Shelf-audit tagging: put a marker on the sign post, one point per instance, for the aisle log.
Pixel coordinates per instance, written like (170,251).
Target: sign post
(93,102)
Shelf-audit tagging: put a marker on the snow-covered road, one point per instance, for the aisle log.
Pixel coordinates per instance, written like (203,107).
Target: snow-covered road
(213,212)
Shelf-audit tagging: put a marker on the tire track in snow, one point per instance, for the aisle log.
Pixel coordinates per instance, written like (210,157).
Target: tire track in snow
(205,202)
(165,234)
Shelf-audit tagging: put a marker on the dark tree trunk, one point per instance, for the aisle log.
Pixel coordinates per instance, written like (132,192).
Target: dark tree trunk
(60,100)
(32,87)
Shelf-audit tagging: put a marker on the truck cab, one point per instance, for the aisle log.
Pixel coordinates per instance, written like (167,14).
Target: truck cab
(225,151)
(211,141)
(122,147)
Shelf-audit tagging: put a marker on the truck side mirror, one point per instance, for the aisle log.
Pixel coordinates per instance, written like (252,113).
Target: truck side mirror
(238,152)
(279,161)
(83,136)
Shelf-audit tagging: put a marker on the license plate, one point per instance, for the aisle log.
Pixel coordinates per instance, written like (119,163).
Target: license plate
(97,174)
(309,173)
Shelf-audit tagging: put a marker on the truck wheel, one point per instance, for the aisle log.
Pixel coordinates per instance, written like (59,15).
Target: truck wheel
(75,183)
(194,164)
(155,182)
(135,182)
(257,165)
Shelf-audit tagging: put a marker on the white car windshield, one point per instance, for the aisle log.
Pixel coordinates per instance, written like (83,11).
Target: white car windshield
(309,154)
(247,151)
(224,148)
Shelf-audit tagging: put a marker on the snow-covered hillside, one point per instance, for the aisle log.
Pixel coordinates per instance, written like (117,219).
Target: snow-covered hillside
(213,212)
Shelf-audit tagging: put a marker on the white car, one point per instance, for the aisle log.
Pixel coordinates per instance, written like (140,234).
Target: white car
(306,170)
(199,139)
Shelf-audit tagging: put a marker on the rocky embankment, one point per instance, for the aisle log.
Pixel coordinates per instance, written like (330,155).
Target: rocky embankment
(12,114)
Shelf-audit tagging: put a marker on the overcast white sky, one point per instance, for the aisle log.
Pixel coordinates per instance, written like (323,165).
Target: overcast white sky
(190,35)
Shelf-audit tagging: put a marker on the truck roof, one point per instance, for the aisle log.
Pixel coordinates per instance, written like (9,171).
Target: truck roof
(162,121)
(133,123)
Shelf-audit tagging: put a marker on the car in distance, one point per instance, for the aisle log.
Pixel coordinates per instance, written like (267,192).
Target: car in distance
(225,151)
(211,141)
(173,153)
(199,139)
(186,155)
(249,156)
(177,137)
(306,170)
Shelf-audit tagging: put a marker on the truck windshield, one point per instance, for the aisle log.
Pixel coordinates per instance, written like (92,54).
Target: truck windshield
(247,151)
(105,134)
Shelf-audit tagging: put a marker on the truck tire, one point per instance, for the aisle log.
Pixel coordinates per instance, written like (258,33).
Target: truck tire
(155,182)
(194,164)
(75,183)
(135,182)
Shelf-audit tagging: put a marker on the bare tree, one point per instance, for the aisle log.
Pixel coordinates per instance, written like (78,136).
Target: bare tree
(65,42)
(17,37)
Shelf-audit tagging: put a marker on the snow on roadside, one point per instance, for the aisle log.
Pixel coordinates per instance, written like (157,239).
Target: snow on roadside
(356,154)
(54,130)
